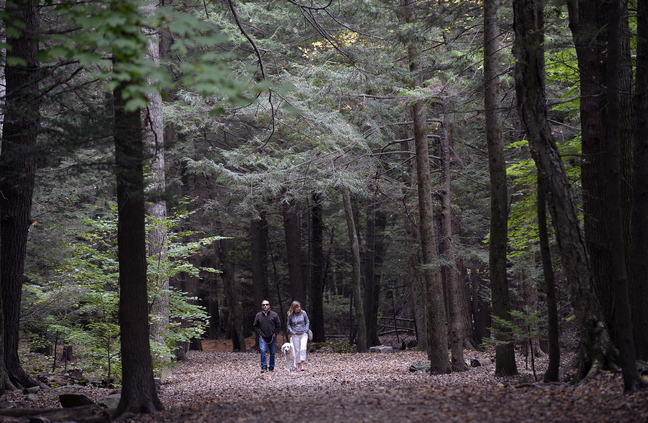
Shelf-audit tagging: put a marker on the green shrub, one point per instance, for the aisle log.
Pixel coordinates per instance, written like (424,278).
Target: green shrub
(78,307)
(343,347)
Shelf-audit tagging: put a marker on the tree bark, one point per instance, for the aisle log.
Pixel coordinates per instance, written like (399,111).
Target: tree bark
(453,280)
(627,122)
(139,394)
(316,300)
(589,24)
(596,349)
(480,307)
(437,330)
(619,281)
(591,43)
(529,292)
(639,223)
(259,258)
(356,278)
(17,171)
(373,257)
(156,208)
(232,295)
(552,373)
(413,241)
(292,232)
(505,354)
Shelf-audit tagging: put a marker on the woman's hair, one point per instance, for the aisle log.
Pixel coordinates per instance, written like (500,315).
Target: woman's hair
(293,306)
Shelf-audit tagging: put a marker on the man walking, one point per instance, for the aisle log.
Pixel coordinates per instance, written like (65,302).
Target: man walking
(267,326)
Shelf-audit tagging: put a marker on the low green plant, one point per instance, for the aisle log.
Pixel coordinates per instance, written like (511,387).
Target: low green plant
(343,347)
(79,306)
(523,327)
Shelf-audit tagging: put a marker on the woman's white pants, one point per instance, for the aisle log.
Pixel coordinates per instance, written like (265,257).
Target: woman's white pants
(299,345)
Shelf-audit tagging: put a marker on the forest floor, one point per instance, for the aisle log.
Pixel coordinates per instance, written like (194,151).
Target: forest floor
(218,385)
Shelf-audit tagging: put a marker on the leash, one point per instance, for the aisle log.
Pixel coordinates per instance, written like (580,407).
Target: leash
(268,343)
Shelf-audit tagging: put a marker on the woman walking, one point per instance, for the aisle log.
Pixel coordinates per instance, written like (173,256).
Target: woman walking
(298,325)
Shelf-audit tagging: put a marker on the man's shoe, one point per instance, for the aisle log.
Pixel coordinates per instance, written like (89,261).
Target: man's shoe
(264,369)
(271,369)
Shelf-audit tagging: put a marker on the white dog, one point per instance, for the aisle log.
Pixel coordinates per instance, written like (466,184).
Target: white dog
(289,353)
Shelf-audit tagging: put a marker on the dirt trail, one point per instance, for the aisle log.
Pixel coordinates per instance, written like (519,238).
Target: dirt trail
(226,386)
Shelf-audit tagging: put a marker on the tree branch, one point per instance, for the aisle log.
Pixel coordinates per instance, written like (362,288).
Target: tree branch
(230,3)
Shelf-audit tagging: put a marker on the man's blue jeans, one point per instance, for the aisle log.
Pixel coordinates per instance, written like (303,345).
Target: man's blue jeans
(267,345)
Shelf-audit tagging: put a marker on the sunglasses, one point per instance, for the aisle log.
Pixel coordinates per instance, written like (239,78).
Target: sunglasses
(265,305)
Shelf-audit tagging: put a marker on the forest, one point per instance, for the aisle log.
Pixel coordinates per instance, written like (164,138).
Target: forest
(441,176)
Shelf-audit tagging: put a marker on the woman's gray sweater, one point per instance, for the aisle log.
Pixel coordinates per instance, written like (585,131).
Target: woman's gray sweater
(298,323)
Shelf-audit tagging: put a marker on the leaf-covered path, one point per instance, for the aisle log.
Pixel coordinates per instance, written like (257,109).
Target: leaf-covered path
(222,386)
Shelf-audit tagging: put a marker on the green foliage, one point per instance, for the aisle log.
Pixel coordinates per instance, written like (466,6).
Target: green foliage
(188,321)
(180,246)
(110,38)
(79,306)
(523,230)
(522,327)
(562,69)
(342,347)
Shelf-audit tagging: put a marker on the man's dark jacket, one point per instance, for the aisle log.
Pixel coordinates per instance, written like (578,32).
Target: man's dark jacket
(267,325)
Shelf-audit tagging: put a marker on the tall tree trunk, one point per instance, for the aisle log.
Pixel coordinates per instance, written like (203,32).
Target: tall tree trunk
(316,300)
(361,339)
(596,349)
(367,258)
(259,258)
(156,208)
(139,394)
(619,281)
(505,354)
(374,248)
(480,307)
(413,241)
(380,248)
(437,331)
(17,170)
(436,314)
(627,122)
(454,286)
(639,223)
(590,43)
(529,293)
(552,373)
(464,305)
(292,231)
(209,297)
(232,295)
(3,92)
(591,31)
